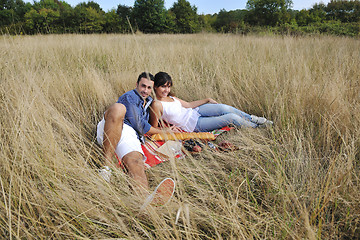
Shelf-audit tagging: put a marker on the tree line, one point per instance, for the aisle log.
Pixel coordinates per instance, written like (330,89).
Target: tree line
(341,17)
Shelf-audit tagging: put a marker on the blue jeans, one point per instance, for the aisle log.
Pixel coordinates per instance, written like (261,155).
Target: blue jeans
(214,116)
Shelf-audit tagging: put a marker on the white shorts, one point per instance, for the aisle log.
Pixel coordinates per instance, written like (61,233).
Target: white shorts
(129,141)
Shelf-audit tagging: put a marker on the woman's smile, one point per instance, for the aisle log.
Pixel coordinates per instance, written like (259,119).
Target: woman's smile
(162,91)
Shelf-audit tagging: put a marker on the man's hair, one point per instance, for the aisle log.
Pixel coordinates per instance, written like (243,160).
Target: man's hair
(146,75)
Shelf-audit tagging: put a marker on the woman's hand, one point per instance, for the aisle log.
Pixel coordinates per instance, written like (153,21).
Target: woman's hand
(196,103)
(210,100)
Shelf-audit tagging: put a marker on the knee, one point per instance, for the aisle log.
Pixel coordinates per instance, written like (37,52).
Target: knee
(238,120)
(116,112)
(231,118)
(226,108)
(118,108)
(133,160)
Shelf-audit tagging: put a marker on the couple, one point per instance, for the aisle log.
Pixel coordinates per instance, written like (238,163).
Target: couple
(122,128)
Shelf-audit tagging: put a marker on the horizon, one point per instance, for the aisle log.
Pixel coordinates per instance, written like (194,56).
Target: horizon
(203,6)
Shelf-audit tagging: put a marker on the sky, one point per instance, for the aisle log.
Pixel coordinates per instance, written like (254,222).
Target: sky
(203,6)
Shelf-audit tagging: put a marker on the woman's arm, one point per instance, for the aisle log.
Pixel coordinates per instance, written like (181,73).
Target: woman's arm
(156,110)
(196,103)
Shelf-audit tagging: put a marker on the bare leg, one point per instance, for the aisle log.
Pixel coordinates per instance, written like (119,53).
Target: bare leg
(134,163)
(114,119)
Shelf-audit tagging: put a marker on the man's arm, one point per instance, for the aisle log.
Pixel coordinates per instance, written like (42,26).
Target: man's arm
(172,129)
(158,130)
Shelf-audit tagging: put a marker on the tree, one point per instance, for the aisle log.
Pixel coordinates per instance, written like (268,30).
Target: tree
(268,12)
(50,20)
(44,17)
(94,21)
(89,17)
(345,11)
(302,17)
(229,21)
(12,12)
(125,16)
(47,4)
(21,8)
(91,4)
(186,18)
(206,22)
(33,22)
(170,22)
(7,12)
(67,18)
(317,13)
(150,16)
(112,22)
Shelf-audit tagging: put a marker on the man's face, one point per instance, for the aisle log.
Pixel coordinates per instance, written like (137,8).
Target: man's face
(144,87)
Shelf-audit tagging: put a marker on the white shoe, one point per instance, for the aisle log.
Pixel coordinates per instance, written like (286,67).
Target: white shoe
(161,195)
(258,120)
(269,123)
(105,173)
(261,121)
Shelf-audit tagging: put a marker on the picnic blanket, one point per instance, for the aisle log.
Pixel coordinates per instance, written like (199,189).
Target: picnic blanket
(153,158)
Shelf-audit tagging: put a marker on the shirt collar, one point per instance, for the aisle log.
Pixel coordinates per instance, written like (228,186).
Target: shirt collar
(148,99)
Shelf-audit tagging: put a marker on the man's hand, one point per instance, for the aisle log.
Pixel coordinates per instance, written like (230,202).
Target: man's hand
(175,129)
(154,130)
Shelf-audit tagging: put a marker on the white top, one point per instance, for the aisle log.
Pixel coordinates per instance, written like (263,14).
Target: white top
(184,118)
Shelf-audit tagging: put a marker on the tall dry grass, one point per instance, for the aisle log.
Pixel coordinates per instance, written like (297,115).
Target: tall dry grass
(299,180)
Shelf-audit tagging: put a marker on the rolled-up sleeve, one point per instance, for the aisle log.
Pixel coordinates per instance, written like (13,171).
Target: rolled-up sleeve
(135,116)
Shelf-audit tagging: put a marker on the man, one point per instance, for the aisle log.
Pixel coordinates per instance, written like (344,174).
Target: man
(121,131)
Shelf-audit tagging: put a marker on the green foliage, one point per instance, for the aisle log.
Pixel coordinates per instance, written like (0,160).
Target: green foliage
(94,21)
(12,11)
(206,22)
(89,18)
(67,18)
(339,17)
(6,16)
(42,21)
(7,4)
(48,4)
(91,4)
(268,12)
(333,28)
(186,18)
(317,13)
(150,16)
(344,11)
(112,22)
(323,28)
(230,21)
(302,17)
(124,15)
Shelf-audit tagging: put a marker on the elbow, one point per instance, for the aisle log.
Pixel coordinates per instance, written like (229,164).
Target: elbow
(153,121)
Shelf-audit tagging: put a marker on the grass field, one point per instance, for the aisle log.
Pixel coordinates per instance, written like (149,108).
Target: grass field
(298,180)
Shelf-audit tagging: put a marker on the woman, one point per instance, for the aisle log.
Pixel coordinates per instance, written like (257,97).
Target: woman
(198,116)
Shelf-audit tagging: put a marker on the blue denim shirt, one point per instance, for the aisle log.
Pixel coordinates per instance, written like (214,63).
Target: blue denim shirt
(137,115)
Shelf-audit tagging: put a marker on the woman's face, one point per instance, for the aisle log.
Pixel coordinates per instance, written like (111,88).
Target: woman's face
(163,90)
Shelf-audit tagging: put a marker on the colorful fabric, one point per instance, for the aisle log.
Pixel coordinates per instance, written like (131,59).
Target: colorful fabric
(153,159)
(149,149)
(217,132)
